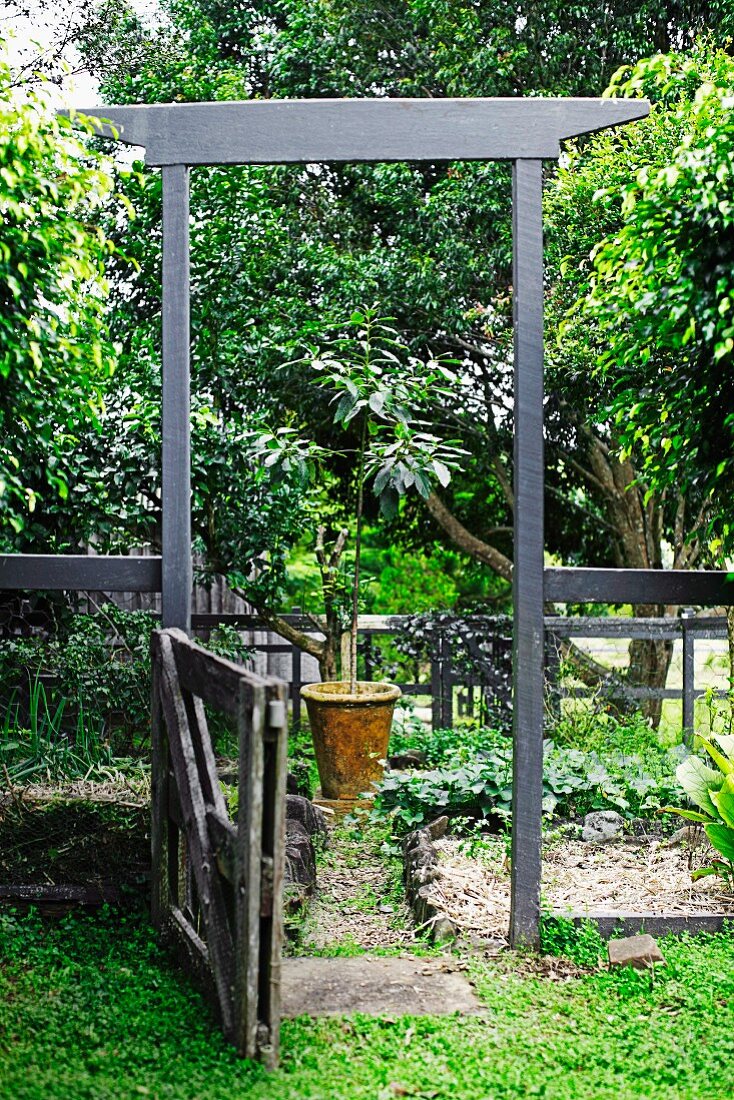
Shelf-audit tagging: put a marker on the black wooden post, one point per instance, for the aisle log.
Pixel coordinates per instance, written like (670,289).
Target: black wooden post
(296,685)
(553,674)
(436,682)
(527,580)
(689,673)
(176,459)
(447,684)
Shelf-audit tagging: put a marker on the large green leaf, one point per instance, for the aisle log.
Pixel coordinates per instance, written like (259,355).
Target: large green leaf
(698,780)
(726,744)
(689,815)
(719,758)
(722,838)
(724,801)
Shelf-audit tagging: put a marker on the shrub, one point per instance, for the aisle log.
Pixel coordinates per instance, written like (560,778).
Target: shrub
(95,675)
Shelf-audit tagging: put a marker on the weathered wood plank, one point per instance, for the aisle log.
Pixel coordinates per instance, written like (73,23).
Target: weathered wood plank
(527,577)
(251,731)
(224,843)
(193,954)
(219,938)
(273,848)
(622,627)
(669,586)
(62,896)
(299,131)
(80,572)
(213,679)
(656,924)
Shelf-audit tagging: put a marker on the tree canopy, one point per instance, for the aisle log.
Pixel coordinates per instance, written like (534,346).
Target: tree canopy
(661,289)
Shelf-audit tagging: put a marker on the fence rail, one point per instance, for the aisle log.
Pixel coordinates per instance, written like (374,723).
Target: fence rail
(451,689)
(442,675)
(688,628)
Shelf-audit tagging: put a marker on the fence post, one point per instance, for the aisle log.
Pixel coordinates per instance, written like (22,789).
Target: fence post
(553,674)
(436,685)
(527,575)
(689,673)
(447,685)
(177,569)
(296,683)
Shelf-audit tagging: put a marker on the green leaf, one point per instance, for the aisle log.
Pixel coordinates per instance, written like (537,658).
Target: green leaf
(724,801)
(703,872)
(698,780)
(722,838)
(442,472)
(689,815)
(726,765)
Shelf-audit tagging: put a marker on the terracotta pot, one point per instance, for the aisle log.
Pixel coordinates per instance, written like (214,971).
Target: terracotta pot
(350,734)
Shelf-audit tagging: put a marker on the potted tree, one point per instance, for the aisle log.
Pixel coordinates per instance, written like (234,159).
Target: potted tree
(378,392)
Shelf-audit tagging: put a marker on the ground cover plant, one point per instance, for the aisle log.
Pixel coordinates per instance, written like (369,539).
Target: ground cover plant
(92,1008)
(471,774)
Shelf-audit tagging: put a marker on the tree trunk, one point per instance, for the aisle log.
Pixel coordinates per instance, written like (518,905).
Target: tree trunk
(327,661)
(649,662)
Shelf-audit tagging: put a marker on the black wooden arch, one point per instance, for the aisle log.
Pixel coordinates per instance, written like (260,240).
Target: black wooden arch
(524,131)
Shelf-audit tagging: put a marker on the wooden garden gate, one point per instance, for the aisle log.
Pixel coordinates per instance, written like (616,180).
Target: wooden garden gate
(217,885)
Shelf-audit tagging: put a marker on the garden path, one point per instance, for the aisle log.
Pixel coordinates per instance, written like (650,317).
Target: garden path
(359,901)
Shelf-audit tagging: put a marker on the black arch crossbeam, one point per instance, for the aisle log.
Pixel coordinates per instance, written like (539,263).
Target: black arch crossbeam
(303,130)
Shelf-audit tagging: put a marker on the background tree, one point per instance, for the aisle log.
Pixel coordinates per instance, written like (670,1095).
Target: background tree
(661,291)
(278,252)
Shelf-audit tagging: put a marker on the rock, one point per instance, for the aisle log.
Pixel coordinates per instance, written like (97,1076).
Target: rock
(311,817)
(422,855)
(444,930)
(437,828)
(691,836)
(602,827)
(408,758)
(637,951)
(300,861)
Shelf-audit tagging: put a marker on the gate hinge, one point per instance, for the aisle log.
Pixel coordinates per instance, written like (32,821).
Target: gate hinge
(276,714)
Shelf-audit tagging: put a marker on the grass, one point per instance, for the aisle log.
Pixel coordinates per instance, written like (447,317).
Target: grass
(91,1009)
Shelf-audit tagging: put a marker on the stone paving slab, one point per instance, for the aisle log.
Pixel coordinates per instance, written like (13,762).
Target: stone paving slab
(375,986)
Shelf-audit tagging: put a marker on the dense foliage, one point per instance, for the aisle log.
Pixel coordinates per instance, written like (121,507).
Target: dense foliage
(471,774)
(662,291)
(56,355)
(75,701)
(279,252)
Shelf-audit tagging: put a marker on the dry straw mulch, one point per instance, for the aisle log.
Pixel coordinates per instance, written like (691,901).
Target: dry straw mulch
(123,790)
(636,875)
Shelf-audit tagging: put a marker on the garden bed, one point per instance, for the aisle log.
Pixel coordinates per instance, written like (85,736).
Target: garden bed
(79,842)
(633,877)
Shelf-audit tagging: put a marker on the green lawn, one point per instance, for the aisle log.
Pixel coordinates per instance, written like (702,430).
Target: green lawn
(91,1008)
